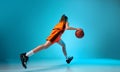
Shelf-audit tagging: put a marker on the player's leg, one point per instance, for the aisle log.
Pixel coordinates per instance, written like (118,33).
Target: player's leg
(40,47)
(63,48)
(68,59)
(24,56)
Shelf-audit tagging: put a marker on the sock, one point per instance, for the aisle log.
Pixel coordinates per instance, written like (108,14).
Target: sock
(30,53)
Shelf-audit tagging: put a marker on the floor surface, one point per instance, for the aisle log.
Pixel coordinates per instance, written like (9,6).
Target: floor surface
(61,66)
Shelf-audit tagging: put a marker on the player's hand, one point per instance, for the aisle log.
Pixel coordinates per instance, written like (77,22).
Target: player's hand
(78,29)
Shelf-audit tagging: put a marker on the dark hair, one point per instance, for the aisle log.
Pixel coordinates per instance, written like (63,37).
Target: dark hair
(64,18)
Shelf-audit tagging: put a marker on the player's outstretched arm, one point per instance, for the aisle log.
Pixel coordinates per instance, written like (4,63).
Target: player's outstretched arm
(70,28)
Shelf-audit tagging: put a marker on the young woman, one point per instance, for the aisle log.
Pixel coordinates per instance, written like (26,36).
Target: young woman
(54,37)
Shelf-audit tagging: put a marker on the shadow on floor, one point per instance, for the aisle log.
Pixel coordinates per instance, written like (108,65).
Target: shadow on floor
(53,67)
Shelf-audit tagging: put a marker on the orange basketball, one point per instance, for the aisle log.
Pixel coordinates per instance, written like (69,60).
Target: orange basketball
(79,33)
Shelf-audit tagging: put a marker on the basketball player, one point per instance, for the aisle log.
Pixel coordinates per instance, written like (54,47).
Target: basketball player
(54,37)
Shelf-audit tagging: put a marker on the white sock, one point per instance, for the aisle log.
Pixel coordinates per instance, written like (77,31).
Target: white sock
(30,53)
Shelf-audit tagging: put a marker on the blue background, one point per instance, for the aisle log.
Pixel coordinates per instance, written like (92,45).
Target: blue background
(25,24)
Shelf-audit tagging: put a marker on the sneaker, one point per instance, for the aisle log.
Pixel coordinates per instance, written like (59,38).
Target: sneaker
(24,59)
(69,59)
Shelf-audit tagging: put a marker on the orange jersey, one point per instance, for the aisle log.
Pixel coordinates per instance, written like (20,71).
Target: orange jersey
(57,32)
(60,26)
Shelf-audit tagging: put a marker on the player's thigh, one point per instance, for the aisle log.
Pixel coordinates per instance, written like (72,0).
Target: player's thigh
(47,43)
(61,42)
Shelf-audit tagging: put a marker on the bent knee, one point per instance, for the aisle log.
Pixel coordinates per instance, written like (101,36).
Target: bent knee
(45,46)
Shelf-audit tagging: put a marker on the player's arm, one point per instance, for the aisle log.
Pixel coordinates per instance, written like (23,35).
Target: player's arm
(70,28)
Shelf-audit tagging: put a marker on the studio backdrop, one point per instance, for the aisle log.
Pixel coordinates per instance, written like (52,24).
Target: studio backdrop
(25,24)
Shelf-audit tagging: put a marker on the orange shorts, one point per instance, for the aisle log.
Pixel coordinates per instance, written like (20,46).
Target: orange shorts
(55,36)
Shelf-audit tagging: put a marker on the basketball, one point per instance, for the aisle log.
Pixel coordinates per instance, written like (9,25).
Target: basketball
(79,33)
